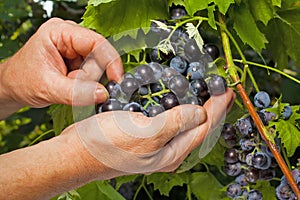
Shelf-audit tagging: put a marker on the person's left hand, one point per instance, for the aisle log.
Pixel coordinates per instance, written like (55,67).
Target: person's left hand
(47,68)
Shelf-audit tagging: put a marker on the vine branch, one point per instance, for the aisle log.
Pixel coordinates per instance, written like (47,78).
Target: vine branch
(261,128)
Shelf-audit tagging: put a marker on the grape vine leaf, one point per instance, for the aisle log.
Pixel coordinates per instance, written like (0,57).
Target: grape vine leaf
(268,191)
(124,179)
(287,27)
(211,17)
(194,33)
(98,2)
(118,16)
(62,117)
(276,3)
(164,182)
(261,10)
(192,6)
(176,2)
(223,5)
(204,185)
(246,28)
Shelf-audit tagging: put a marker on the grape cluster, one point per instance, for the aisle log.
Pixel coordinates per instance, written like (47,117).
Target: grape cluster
(284,191)
(174,76)
(248,158)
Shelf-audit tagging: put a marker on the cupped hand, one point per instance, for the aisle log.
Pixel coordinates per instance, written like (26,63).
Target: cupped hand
(46,69)
(129,142)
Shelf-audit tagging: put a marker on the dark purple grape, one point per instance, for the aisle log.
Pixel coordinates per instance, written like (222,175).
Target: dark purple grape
(169,101)
(267,174)
(261,160)
(228,132)
(269,115)
(217,85)
(177,12)
(254,195)
(283,191)
(129,85)
(234,190)
(167,74)
(155,110)
(192,51)
(159,56)
(262,100)
(244,126)
(233,169)
(110,105)
(179,85)
(179,64)
(192,100)
(241,180)
(252,175)
(113,88)
(133,107)
(198,88)
(144,74)
(196,70)
(212,50)
(143,90)
(231,156)
(155,87)
(157,70)
(247,144)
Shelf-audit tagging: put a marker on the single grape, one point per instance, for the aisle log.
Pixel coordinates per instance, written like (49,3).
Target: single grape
(283,191)
(159,56)
(110,105)
(169,101)
(234,190)
(156,87)
(192,100)
(247,144)
(254,195)
(129,85)
(167,74)
(155,110)
(143,90)
(261,160)
(228,132)
(133,107)
(177,12)
(217,85)
(241,180)
(231,156)
(179,85)
(252,174)
(113,89)
(233,169)
(178,63)
(269,115)
(212,50)
(157,70)
(144,74)
(267,174)
(244,126)
(196,70)
(287,112)
(198,88)
(262,100)
(192,51)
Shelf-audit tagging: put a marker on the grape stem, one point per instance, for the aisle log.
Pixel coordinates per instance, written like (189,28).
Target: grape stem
(261,128)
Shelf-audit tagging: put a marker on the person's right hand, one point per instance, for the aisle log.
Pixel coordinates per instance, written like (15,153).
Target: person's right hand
(129,142)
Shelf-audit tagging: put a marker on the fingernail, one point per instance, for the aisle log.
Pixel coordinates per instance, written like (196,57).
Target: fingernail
(101,95)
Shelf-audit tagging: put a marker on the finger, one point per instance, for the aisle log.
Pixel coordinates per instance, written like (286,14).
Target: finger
(150,134)
(76,92)
(81,42)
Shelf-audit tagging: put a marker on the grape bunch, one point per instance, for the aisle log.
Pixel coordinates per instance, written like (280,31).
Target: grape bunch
(173,76)
(247,157)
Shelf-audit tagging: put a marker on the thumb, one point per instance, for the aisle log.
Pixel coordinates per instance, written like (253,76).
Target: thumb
(78,92)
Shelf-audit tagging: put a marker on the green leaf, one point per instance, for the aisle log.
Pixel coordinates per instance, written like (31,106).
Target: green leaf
(216,156)
(276,3)
(192,6)
(211,17)
(191,161)
(223,5)
(125,179)
(91,191)
(109,191)
(97,2)
(176,2)
(164,182)
(62,117)
(261,10)
(245,26)
(119,16)
(194,33)
(205,186)
(268,192)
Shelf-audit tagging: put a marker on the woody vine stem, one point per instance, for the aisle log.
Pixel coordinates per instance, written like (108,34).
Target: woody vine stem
(231,69)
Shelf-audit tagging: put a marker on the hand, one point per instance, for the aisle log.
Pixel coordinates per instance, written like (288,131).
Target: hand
(129,143)
(47,68)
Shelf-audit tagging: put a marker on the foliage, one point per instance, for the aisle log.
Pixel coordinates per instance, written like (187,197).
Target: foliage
(264,36)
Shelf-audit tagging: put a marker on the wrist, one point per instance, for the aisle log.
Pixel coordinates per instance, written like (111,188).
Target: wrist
(7,104)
